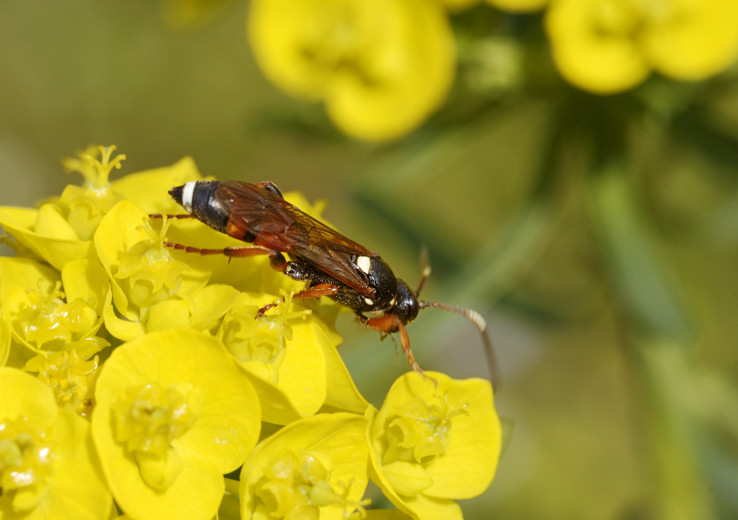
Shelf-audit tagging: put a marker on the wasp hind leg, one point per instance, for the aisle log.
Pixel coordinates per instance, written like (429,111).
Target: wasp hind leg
(177,216)
(230,252)
(322,289)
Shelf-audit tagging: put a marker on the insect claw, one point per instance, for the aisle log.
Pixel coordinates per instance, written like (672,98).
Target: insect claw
(262,312)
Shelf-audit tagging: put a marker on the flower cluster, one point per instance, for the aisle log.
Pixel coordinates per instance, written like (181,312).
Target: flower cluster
(136,377)
(383,67)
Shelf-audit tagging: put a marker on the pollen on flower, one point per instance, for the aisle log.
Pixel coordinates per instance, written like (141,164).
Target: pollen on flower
(260,340)
(70,377)
(147,418)
(96,171)
(48,322)
(420,431)
(151,272)
(298,482)
(25,462)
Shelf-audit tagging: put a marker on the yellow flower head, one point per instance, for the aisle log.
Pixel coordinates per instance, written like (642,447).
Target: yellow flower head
(48,314)
(313,468)
(380,67)
(47,467)
(173,415)
(607,46)
(70,377)
(434,440)
(282,352)
(60,230)
(142,271)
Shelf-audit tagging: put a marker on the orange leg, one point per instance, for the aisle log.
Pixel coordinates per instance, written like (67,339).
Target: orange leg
(322,289)
(391,323)
(178,216)
(231,252)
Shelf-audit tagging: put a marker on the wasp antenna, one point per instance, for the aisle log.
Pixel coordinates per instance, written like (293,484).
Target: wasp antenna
(425,269)
(481,324)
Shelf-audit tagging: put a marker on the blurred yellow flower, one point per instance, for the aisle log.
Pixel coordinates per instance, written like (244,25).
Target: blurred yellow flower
(47,467)
(607,46)
(381,67)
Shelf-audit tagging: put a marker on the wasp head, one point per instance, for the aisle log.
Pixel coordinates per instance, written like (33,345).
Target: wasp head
(406,306)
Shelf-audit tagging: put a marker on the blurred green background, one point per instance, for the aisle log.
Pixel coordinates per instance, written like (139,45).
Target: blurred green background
(598,235)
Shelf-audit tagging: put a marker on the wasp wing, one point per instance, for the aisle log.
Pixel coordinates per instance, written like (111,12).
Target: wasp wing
(259,210)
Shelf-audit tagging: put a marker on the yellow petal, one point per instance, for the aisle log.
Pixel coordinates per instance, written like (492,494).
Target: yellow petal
(148,189)
(21,395)
(342,393)
(78,489)
(20,223)
(406,478)
(50,223)
(27,273)
(169,314)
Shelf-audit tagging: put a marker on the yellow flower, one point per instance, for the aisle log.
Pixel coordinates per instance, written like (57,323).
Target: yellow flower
(173,414)
(381,67)
(148,189)
(434,440)
(60,230)
(282,354)
(69,376)
(47,467)
(142,271)
(607,46)
(45,318)
(313,468)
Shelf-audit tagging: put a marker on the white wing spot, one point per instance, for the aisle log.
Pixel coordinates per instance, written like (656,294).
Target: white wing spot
(364,263)
(188,193)
(367,300)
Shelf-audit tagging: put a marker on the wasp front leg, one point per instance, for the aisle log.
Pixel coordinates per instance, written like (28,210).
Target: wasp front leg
(390,323)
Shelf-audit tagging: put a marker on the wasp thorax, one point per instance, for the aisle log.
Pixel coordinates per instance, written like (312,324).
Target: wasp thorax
(383,280)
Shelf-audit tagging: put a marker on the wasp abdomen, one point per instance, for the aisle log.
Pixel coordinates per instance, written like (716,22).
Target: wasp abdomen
(198,198)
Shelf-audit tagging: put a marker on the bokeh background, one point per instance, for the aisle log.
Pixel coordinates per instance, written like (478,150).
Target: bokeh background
(596,231)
